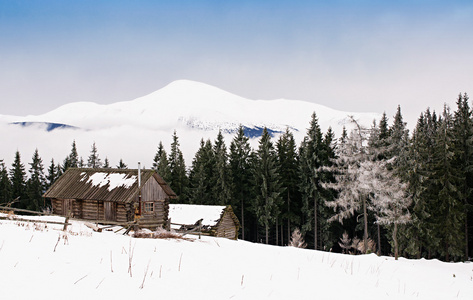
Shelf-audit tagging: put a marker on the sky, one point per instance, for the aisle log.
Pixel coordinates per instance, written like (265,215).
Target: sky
(360,56)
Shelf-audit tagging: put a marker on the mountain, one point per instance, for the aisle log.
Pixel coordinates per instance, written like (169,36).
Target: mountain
(195,110)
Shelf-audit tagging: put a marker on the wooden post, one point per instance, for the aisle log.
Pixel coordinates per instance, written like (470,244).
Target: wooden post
(65,224)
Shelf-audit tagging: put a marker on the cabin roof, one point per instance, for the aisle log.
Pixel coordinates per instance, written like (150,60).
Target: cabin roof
(117,185)
(189,214)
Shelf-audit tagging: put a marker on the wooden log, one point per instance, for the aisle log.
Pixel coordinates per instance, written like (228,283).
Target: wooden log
(93,227)
(24,210)
(34,221)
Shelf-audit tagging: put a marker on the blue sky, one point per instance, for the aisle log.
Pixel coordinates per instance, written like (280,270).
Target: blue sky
(349,55)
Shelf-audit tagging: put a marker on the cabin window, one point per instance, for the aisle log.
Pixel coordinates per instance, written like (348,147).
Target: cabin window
(149,206)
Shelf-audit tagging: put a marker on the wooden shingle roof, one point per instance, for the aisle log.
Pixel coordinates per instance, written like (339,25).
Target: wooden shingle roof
(117,185)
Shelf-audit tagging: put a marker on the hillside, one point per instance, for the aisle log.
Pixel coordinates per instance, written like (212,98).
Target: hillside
(40,261)
(131,130)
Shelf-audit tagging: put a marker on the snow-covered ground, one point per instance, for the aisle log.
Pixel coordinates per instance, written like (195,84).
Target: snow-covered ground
(39,261)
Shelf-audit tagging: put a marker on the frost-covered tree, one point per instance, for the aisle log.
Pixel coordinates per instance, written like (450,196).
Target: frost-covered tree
(390,200)
(297,240)
(352,179)
(345,242)
(94,161)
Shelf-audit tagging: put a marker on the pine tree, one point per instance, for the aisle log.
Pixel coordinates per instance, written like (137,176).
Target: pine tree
(221,191)
(200,175)
(419,237)
(288,169)
(310,179)
(18,180)
(122,165)
(5,185)
(463,160)
(241,173)
(36,183)
(178,176)
(268,188)
(450,207)
(106,163)
(94,161)
(72,160)
(161,163)
(53,174)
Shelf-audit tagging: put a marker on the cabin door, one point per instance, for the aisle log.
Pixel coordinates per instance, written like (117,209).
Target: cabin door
(67,207)
(110,211)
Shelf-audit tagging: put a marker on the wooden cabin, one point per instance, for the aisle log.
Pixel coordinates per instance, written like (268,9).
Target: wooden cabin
(112,195)
(219,221)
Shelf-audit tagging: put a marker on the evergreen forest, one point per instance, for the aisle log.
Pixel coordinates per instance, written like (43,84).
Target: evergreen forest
(380,189)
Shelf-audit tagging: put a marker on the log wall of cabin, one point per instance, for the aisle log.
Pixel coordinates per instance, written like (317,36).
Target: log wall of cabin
(226,227)
(152,192)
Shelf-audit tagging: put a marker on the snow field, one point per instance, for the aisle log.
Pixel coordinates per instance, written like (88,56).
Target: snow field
(41,261)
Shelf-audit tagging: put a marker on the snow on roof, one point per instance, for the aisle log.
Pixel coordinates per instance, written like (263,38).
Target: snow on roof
(189,214)
(113,180)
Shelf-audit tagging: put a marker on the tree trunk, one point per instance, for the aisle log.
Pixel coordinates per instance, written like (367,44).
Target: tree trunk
(315,225)
(288,218)
(466,236)
(267,233)
(379,240)
(365,219)
(277,231)
(396,247)
(242,220)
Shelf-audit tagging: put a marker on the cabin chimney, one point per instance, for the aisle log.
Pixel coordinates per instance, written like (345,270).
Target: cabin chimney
(139,175)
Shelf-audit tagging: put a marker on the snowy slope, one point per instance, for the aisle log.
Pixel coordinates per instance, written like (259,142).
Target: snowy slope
(197,105)
(132,129)
(39,262)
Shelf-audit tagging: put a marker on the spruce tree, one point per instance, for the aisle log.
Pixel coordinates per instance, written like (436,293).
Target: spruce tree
(267,184)
(287,158)
(161,163)
(5,185)
(178,175)
(72,160)
(122,165)
(94,161)
(200,175)
(240,173)
(53,174)
(18,180)
(221,190)
(463,160)
(106,163)
(310,180)
(36,182)
(447,178)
